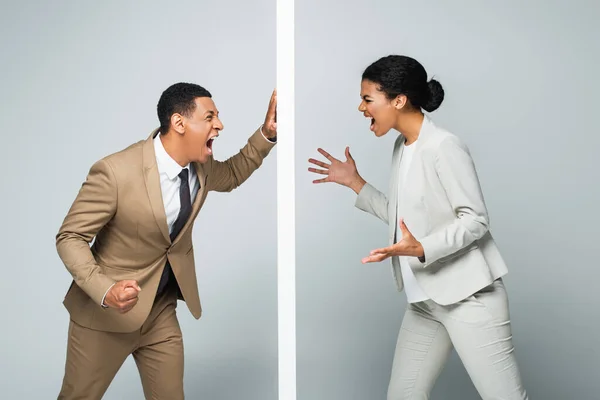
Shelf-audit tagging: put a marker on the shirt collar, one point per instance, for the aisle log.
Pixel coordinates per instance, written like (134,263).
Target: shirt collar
(164,161)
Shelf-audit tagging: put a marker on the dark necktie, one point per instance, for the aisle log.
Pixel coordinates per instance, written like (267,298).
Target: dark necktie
(182,217)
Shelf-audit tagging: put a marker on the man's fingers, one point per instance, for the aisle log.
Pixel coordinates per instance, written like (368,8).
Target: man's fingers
(274,97)
(319,163)
(127,293)
(124,295)
(132,284)
(127,305)
(130,293)
(319,171)
(321,180)
(271,112)
(130,302)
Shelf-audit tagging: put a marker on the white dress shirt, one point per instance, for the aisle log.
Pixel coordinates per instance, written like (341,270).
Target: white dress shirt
(168,172)
(413,291)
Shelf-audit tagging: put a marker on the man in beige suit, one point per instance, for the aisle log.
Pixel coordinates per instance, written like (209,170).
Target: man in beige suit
(138,206)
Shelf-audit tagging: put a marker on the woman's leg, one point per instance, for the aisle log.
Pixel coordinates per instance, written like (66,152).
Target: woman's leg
(422,350)
(480,330)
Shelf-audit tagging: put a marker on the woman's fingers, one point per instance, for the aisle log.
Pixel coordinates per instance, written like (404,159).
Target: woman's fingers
(327,155)
(375,258)
(321,180)
(319,171)
(319,163)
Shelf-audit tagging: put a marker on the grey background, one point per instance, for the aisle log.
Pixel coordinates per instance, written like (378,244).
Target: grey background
(80,81)
(521,90)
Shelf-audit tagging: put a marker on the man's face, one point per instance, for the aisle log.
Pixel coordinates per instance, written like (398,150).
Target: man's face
(200,129)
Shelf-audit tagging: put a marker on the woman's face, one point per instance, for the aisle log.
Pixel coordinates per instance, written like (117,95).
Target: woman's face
(382,112)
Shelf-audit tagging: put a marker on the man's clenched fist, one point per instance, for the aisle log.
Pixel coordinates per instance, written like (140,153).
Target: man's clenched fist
(123,296)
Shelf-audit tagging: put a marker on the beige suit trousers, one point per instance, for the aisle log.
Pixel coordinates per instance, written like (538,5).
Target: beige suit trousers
(94,357)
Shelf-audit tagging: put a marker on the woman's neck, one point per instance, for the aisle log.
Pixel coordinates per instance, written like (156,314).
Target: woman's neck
(409,125)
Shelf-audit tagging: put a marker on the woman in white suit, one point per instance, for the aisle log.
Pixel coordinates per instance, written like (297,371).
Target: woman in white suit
(442,253)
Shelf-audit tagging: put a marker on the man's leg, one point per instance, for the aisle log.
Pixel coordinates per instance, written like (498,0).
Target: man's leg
(93,359)
(479,328)
(421,352)
(159,356)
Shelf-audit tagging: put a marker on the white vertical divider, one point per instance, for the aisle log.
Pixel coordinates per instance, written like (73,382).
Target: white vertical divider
(286,226)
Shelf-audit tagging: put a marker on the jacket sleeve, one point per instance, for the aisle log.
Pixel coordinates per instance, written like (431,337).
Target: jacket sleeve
(459,179)
(224,176)
(94,206)
(373,201)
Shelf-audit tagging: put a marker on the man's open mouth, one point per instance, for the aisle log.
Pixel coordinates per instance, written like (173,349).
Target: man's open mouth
(209,144)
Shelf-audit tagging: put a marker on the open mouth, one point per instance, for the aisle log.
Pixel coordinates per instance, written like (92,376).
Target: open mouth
(372,127)
(209,145)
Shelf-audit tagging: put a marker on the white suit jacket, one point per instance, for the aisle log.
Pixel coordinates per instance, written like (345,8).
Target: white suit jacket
(443,207)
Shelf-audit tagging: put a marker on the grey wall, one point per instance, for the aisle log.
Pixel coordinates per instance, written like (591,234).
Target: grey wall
(80,81)
(521,90)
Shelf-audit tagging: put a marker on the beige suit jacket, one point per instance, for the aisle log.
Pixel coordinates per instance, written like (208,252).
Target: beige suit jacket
(443,206)
(120,208)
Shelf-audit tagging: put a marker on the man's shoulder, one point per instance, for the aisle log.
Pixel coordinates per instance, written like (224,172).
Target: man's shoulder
(126,159)
(133,150)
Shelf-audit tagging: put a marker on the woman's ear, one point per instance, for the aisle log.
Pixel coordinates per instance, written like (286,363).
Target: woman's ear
(399,102)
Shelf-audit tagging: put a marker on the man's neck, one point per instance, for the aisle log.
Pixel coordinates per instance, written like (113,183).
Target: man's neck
(172,145)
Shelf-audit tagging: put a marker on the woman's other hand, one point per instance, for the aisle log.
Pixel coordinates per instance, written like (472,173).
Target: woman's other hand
(342,173)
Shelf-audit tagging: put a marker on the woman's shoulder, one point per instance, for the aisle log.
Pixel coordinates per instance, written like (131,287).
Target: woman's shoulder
(440,138)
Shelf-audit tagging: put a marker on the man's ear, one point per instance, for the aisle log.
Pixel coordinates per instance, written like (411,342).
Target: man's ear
(178,123)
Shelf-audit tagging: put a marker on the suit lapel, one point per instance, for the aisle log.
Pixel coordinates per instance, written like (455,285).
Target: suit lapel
(153,189)
(394,184)
(401,184)
(201,176)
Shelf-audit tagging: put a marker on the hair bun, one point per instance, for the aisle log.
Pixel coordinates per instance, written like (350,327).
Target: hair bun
(435,96)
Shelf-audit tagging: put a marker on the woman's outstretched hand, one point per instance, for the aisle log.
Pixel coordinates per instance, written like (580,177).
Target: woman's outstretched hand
(342,173)
(407,246)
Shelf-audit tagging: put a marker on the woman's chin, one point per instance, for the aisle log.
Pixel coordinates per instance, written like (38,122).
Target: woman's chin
(379,132)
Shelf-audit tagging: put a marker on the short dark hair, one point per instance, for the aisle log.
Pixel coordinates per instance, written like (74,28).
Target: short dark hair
(178,98)
(398,75)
